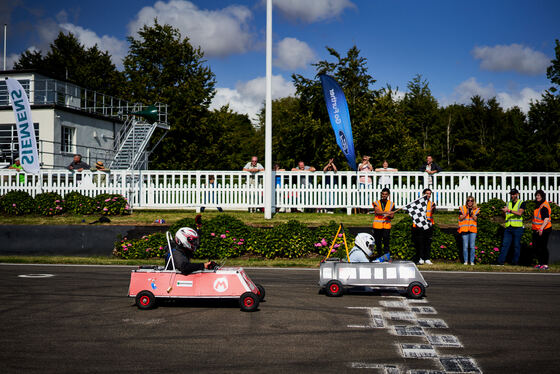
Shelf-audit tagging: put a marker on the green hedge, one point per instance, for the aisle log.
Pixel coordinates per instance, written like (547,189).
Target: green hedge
(17,203)
(225,236)
(493,209)
(49,204)
(76,203)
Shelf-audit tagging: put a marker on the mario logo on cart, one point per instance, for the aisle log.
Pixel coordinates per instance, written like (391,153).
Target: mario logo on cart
(221,285)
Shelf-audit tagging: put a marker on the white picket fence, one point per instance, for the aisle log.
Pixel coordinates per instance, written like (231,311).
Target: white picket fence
(150,189)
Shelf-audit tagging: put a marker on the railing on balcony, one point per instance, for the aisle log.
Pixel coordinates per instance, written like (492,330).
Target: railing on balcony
(149,189)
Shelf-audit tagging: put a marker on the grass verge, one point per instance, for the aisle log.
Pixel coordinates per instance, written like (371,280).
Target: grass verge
(261,262)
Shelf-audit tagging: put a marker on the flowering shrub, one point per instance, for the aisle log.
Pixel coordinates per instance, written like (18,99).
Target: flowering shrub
(146,247)
(492,208)
(111,204)
(17,203)
(49,204)
(226,236)
(76,203)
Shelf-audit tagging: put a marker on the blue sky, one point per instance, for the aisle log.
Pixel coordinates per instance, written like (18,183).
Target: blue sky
(462,48)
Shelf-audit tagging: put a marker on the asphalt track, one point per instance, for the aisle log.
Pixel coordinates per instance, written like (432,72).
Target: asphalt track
(80,321)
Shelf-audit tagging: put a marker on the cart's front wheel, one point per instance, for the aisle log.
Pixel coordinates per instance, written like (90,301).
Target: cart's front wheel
(262,291)
(334,288)
(249,302)
(416,290)
(145,300)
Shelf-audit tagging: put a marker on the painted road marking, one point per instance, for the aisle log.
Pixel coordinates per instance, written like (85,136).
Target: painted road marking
(432,323)
(444,341)
(35,275)
(401,316)
(387,368)
(393,304)
(421,371)
(376,320)
(418,351)
(423,310)
(459,365)
(417,301)
(402,330)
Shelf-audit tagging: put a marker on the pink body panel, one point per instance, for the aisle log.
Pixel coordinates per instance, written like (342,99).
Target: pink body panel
(225,282)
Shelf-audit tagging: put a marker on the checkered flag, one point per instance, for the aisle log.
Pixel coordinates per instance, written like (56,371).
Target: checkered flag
(417,210)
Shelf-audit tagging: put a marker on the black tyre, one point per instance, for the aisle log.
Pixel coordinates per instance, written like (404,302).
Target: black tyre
(249,302)
(334,288)
(145,300)
(415,290)
(262,291)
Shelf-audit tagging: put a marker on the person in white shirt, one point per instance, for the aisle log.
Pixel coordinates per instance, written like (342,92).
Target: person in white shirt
(385,179)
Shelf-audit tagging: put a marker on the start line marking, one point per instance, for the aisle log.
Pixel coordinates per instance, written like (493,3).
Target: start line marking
(35,275)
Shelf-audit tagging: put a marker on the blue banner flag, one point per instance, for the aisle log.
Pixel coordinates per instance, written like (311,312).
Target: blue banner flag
(340,117)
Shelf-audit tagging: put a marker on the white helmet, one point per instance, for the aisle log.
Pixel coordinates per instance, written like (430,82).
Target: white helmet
(365,242)
(187,238)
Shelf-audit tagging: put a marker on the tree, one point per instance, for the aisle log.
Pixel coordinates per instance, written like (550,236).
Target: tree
(350,72)
(420,110)
(69,60)
(553,71)
(162,66)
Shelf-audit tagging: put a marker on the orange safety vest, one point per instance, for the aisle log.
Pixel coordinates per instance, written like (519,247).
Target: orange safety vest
(428,214)
(537,220)
(468,224)
(383,222)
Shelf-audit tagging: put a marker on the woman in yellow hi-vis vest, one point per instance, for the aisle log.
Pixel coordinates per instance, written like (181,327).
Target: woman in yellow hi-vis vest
(542,228)
(514,227)
(468,217)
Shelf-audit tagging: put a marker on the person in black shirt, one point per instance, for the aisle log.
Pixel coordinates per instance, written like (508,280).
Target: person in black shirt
(77,164)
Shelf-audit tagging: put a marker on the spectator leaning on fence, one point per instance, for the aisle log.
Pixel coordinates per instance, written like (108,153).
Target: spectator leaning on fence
(385,179)
(77,164)
(514,228)
(430,167)
(384,211)
(422,239)
(542,227)
(17,166)
(468,216)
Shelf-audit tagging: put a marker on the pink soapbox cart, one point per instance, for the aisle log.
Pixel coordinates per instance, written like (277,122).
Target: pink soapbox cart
(150,283)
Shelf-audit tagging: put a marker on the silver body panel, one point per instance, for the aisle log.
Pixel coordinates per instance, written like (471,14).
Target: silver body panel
(373,274)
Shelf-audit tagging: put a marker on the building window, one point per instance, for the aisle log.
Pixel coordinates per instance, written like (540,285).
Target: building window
(67,143)
(9,146)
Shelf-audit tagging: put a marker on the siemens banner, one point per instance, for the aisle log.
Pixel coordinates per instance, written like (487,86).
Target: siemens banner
(28,156)
(340,117)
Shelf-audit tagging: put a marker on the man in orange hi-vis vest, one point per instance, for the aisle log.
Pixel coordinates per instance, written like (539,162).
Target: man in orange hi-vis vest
(384,210)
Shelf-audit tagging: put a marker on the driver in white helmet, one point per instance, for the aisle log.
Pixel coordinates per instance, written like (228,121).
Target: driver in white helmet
(188,241)
(364,245)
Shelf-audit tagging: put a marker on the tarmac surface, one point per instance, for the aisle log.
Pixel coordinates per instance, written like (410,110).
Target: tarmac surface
(79,320)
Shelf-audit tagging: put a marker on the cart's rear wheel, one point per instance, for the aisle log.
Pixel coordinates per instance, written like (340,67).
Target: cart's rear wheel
(334,288)
(249,302)
(262,291)
(145,300)
(416,290)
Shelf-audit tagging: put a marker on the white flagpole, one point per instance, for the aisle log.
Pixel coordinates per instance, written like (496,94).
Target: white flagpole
(5,32)
(268,185)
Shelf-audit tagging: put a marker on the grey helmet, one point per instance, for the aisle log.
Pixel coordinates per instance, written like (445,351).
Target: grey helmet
(365,242)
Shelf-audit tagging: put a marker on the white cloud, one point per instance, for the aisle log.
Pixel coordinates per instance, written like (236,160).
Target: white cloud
(514,57)
(292,54)
(11,60)
(219,32)
(463,93)
(117,48)
(312,10)
(248,97)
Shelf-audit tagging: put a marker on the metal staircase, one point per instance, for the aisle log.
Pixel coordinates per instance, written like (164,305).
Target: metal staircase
(131,144)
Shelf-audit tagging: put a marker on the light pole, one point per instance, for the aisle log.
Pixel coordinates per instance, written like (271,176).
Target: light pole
(268,185)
